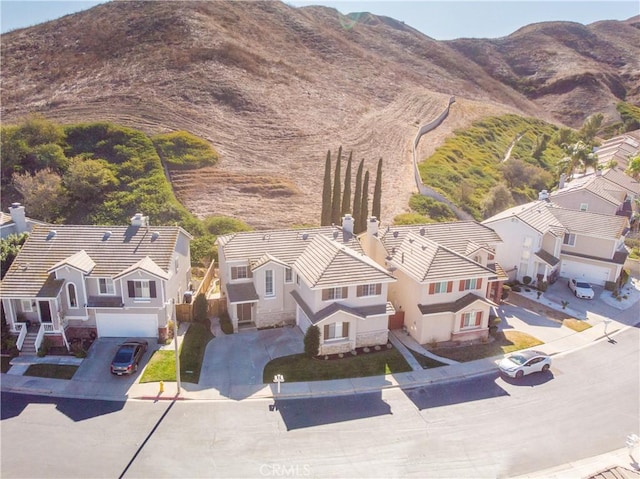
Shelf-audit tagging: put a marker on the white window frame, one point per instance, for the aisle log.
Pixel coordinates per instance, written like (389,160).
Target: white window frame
(569,239)
(269,284)
(367,290)
(440,287)
(469,320)
(337,328)
(334,294)
(26,305)
(241,268)
(584,206)
(75,295)
(288,275)
(145,290)
(470,284)
(108,291)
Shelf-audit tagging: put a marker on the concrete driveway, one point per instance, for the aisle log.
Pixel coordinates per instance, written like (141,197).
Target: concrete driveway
(233,363)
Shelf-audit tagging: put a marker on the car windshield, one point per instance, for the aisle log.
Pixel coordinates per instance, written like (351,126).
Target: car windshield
(583,285)
(517,359)
(123,355)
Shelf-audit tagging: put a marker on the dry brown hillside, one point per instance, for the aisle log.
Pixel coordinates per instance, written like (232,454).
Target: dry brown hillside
(274,87)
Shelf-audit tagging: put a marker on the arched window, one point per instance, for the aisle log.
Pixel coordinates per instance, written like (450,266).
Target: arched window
(71,293)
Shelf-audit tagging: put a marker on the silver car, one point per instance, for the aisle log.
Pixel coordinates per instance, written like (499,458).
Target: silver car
(525,362)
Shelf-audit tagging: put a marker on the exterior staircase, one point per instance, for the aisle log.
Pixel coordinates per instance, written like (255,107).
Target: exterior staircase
(29,345)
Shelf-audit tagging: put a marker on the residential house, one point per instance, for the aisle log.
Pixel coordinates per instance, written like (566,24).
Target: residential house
(447,277)
(610,192)
(543,241)
(71,281)
(16,221)
(317,276)
(619,150)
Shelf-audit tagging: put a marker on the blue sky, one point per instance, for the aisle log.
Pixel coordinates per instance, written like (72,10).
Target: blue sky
(442,20)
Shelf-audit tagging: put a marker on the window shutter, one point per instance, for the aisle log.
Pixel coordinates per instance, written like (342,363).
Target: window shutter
(325,294)
(479,283)
(478,318)
(379,288)
(432,288)
(462,285)
(345,292)
(132,289)
(449,286)
(152,289)
(345,330)
(326,332)
(359,291)
(249,273)
(462,321)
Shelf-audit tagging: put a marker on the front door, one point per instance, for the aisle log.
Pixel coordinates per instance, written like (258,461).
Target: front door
(45,311)
(244,312)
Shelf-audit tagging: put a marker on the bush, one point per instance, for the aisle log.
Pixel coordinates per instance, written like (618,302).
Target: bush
(506,289)
(526,279)
(610,285)
(182,150)
(200,308)
(44,347)
(225,323)
(312,341)
(543,285)
(624,277)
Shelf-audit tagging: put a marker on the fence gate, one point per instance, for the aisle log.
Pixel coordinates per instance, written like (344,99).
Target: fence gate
(396,321)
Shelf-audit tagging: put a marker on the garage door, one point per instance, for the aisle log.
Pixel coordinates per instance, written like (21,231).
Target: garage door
(127,325)
(586,272)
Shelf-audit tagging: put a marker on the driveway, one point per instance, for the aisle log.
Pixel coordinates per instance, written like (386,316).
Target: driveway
(233,363)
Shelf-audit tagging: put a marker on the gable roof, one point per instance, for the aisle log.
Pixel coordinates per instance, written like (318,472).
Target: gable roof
(145,264)
(285,245)
(535,214)
(595,184)
(590,224)
(80,261)
(326,263)
(426,261)
(621,179)
(455,235)
(113,249)
(457,305)
(361,312)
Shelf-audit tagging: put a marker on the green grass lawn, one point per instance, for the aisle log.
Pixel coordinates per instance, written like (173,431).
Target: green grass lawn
(426,362)
(53,371)
(505,342)
(300,367)
(162,365)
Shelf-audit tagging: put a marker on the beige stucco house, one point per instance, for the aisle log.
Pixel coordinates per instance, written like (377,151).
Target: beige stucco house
(73,281)
(447,277)
(544,241)
(16,222)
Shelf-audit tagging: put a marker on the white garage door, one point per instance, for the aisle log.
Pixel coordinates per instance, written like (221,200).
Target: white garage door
(127,325)
(590,273)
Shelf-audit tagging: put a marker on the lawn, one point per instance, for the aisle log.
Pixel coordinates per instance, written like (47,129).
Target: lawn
(505,342)
(426,362)
(576,324)
(162,365)
(300,367)
(53,371)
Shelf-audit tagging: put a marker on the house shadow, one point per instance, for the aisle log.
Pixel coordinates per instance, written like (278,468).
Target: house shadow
(302,413)
(450,393)
(75,409)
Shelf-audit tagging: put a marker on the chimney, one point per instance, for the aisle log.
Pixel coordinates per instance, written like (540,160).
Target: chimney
(18,216)
(372,226)
(139,220)
(563,178)
(347,223)
(543,195)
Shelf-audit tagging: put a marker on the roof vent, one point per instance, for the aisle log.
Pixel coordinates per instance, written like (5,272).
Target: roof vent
(52,234)
(335,235)
(395,234)
(106,235)
(424,247)
(155,235)
(266,237)
(305,236)
(422,231)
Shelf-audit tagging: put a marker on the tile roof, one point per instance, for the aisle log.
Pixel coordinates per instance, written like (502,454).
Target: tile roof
(425,261)
(547,257)
(454,307)
(536,214)
(620,178)
(361,312)
(595,184)
(80,260)
(455,235)
(145,264)
(285,245)
(112,248)
(590,224)
(326,263)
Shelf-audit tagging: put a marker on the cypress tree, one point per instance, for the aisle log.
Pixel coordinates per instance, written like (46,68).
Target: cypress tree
(377,192)
(325,219)
(364,209)
(337,191)
(357,197)
(346,195)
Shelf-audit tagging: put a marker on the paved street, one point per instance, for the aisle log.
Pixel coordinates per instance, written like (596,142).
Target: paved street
(472,428)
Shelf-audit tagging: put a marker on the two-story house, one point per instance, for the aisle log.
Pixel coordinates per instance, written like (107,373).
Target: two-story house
(543,241)
(109,281)
(447,277)
(317,276)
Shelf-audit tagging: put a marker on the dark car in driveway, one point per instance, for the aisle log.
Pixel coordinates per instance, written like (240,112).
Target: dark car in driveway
(128,356)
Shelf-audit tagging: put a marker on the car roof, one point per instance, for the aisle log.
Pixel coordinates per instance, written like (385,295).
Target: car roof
(528,354)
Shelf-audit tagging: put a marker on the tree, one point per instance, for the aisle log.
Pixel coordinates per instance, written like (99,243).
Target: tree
(590,127)
(42,193)
(346,194)
(88,180)
(633,169)
(9,249)
(357,196)
(325,218)
(377,193)
(200,308)
(578,154)
(336,204)
(498,199)
(312,341)
(364,208)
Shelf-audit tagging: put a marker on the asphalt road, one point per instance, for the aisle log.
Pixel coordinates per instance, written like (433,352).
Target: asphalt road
(483,427)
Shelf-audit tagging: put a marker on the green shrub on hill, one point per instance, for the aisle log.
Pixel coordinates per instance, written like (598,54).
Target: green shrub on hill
(182,150)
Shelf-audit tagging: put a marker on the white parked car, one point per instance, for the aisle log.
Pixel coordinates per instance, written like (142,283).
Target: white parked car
(581,289)
(525,362)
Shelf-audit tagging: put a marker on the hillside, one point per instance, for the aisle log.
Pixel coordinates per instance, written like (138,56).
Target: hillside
(274,87)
